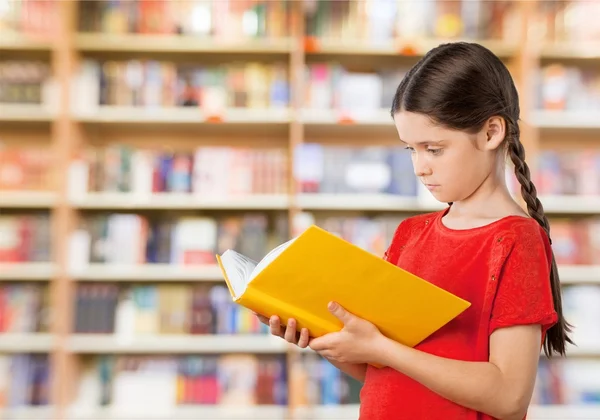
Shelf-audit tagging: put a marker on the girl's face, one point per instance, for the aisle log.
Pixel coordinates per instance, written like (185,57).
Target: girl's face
(452,164)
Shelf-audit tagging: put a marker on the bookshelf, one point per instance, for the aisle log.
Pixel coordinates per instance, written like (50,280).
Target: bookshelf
(70,124)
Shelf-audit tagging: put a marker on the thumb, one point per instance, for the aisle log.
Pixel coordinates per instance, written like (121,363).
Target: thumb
(339,312)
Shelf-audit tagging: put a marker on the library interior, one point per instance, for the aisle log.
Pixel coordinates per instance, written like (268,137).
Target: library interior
(140,138)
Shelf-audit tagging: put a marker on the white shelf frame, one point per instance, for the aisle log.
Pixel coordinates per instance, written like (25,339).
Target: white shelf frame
(148,272)
(27,199)
(26,342)
(32,271)
(219,411)
(176,344)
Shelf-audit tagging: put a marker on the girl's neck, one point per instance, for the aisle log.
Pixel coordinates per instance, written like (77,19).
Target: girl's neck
(491,201)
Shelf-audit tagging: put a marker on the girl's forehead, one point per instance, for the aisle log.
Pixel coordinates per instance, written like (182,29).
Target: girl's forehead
(416,129)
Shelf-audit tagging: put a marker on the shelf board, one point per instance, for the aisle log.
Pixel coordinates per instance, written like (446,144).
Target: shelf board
(26,343)
(14,41)
(581,119)
(328,412)
(563,412)
(101,42)
(254,412)
(148,272)
(183,116)
(570,204)
(176,201)
(365,202)
(164,343)
(406,48)
(33,271)
(571,50)
(27,199)
(379,117)
(579,274)
(25,113)
(28,413)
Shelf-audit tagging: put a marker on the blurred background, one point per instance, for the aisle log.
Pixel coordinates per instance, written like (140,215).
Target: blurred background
(140,137)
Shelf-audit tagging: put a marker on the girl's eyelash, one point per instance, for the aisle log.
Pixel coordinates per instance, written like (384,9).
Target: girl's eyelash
(434,151)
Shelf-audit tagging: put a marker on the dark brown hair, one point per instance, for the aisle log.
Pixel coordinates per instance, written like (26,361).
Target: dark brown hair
(460,86)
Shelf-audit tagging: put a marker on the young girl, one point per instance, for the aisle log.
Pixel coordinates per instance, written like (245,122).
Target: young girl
(457,111)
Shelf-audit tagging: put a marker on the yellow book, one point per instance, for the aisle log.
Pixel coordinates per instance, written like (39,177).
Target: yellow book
(300,277)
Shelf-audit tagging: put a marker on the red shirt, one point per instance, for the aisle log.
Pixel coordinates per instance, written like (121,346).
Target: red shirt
(502,268)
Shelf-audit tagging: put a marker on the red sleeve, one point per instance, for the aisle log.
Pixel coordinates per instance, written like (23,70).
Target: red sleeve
(524,294)
(393,251)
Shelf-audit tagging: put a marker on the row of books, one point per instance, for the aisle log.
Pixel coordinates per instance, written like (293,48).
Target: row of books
(221,20)
(147,383)
(206,172)
(317,382)
(331,85)
(23,81)
(342,169)
(24,308)
(125,238)
(35,18)
(569,382)
(24,380)
(567,87)
(573,172)
(136,239)
(570,21)
(581,306)
(378,21)
(151,83)
(25,238)
(153,309)
(25,169)
(576,241)
(373,234)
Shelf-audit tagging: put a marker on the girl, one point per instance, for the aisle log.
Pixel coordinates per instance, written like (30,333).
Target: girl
(457,111)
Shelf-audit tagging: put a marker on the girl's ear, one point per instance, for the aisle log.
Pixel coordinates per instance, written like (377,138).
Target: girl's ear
(495,130)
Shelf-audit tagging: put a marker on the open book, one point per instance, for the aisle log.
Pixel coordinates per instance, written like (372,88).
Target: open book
(300,277)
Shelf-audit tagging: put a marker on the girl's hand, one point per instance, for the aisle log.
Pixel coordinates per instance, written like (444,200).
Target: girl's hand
(358,342)
(289,333)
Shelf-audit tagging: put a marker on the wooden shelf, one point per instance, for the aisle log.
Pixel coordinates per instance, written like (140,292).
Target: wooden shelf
(27,199)
(192,344)
(337,412)
(579,274)
(571,50)
(564,412)
(148,272)
(27,271)
(185,44)
(14,41)
(26,113)
(172,201)
(406,48)
(582,119)
(380,117)
(28,413)
(365,202)
(574,204)
(181,413)
(26,343)
(182,115)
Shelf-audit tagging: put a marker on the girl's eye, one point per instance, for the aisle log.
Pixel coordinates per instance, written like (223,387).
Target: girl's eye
(435,152)
(409,148)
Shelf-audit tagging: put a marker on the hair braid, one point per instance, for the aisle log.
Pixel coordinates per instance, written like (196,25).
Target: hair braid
(558,334)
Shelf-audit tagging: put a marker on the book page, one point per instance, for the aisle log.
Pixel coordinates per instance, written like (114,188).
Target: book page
(238,268)
(270,257)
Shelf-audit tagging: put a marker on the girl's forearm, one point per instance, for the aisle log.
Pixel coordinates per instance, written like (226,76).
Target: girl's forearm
(479,386)
(357,371)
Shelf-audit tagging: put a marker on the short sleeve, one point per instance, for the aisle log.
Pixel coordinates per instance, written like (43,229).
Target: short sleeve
(392,253)
(524,293)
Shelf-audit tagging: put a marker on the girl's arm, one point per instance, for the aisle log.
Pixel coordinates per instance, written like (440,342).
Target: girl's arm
(357,370)
(501,388)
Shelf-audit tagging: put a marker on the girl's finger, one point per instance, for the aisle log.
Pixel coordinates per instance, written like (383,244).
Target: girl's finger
(303,341)
(290,331)
(275,326)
